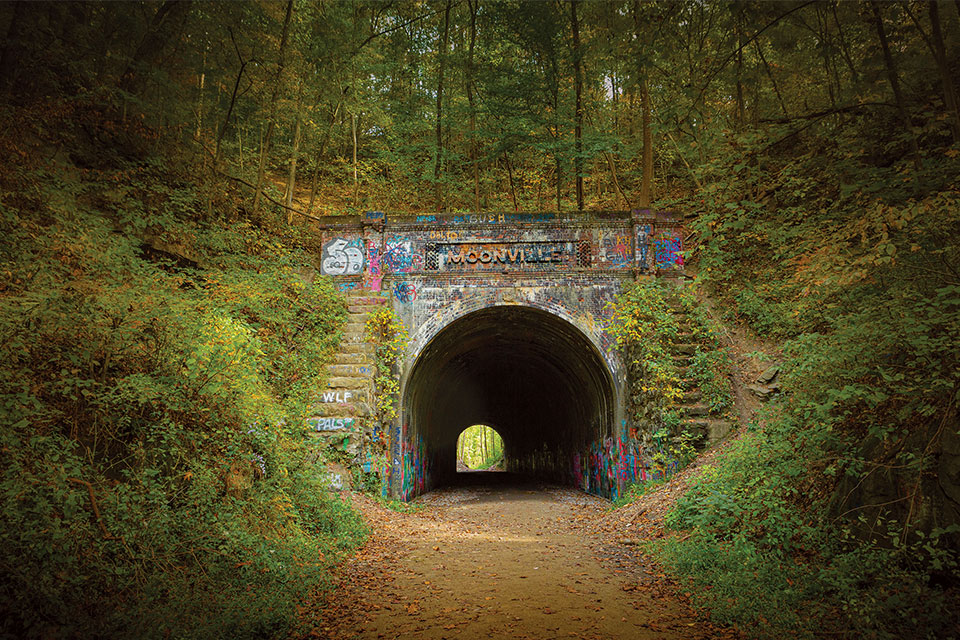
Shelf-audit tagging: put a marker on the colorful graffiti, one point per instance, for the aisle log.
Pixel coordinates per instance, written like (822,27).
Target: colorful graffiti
(667,251)
(617,251)
(493,254)
(405,292)
(374,275)
(398,256)
(412,464)
(611,465)
(342,257)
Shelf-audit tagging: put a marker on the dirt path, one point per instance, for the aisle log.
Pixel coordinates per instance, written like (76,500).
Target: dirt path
(501,562)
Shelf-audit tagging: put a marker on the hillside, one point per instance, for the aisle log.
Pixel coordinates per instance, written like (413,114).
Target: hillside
(164,332)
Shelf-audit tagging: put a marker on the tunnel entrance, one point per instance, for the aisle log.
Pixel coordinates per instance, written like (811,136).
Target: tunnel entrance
(535,376)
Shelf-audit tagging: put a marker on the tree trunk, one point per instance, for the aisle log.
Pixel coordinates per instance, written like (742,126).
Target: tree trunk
(12,44)
(474,152)
(292,176)
(940,52)
(740,105)
(646,184)
(578,111)
(613,177)
(356,180)
(773,81)
(892,76)
(233,102)
(200,84)
(513,190)
(442,55)
(161,31)
(320,154)
(271,123)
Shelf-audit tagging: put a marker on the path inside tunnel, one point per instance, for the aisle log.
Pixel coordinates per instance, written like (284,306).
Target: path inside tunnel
(532,376)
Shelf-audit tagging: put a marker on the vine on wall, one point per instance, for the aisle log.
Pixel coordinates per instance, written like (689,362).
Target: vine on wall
(389,337)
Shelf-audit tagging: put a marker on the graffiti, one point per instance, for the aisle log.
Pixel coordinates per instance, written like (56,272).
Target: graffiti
(569,267)
(617,251)
(398,256)
(373,276)
(414,470)
(449,236)
(481,218)
(342,257)
(643,235)
(494,254)
(335,480)
(667,250)
(405,292)
(331,424)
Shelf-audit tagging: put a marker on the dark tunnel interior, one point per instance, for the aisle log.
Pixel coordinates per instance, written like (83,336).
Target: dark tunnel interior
(532,376)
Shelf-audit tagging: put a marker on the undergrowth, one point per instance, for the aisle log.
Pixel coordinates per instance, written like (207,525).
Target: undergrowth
(836,513)
(157,365)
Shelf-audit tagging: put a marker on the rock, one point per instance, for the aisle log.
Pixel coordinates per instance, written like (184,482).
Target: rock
(763,391)
(767,376)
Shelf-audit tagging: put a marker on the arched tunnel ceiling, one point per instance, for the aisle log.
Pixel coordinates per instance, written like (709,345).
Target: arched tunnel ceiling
(529,374)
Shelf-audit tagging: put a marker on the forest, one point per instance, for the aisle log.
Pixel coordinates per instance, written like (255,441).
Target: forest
(160,351)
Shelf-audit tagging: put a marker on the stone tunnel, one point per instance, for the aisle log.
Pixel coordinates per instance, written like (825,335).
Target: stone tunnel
(532,376)
(507,316)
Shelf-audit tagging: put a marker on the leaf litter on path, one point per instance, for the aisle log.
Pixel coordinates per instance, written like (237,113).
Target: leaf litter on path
(527,564)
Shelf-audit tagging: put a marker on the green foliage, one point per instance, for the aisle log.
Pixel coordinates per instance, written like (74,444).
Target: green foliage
(644,327)
(389,338)
(480,447)
(835,504)
(153,473)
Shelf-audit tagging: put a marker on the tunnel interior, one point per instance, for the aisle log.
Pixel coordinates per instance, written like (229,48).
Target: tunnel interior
(529,374)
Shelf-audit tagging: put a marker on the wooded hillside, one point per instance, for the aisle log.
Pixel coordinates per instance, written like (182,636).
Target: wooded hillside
(160,343)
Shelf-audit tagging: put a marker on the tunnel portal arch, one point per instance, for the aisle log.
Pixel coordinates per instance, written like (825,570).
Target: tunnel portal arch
(534,374)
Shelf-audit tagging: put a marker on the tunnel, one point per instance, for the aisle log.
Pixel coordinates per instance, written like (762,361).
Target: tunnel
(530,374)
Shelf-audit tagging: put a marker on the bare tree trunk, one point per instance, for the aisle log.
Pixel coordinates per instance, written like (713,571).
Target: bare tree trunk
(613,177)
(10,54)
(274,99)
(740,105)
(940,52)
(292,176)
(646,184)
(892,76)
(442,54)
(356,181)
(201,82)
(233,102)
(513,190)
(844,49)
(578,111)
(320,154)
(773,81)
(474,152)
(162,27)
